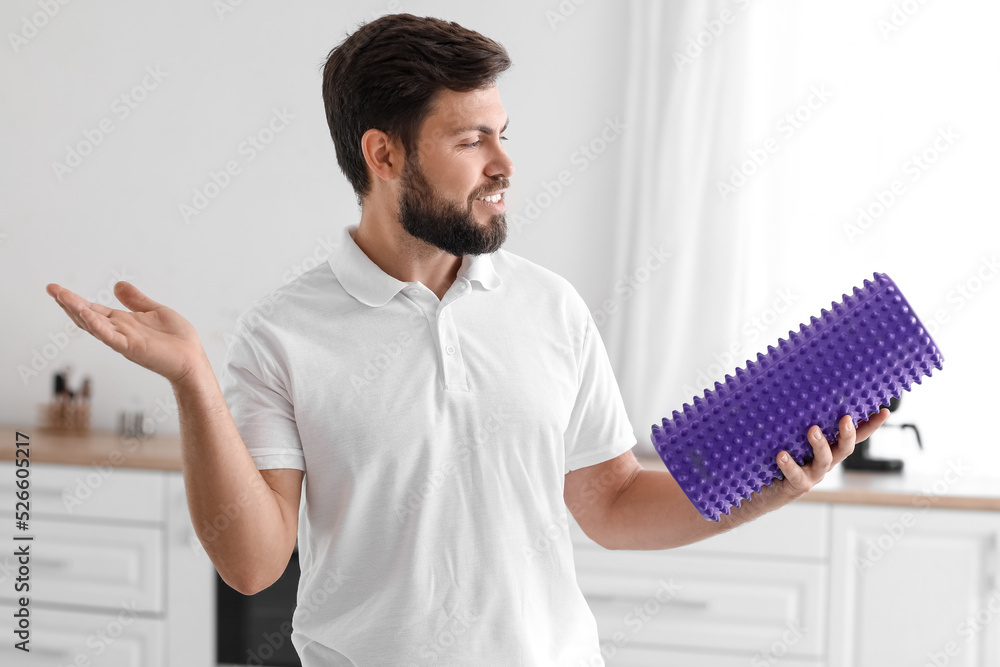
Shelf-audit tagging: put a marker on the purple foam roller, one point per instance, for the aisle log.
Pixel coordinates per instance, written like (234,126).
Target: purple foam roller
(851,360)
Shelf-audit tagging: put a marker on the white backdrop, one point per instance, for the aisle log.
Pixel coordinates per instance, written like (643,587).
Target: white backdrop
(222,75)
(165,95)
(785,151)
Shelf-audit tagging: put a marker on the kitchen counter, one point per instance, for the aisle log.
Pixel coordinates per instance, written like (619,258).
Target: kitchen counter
(953,485)
(922,484)
(98,447)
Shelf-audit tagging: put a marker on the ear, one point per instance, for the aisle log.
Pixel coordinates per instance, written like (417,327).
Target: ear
(383,154)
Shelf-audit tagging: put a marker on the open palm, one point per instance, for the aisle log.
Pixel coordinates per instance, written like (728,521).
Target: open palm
(152,335)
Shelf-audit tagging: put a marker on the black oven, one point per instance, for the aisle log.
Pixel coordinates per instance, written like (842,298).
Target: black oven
(257,629)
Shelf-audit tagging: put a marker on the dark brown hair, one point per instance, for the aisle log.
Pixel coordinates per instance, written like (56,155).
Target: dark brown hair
(387,74)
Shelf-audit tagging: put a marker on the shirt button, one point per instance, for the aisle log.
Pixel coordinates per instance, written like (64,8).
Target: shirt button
(412,291)
(450,349)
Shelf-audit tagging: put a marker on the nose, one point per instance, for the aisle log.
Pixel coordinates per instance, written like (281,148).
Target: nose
(501,164)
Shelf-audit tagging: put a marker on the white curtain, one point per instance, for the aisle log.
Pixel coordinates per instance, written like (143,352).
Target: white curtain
(757,134)
(686,113)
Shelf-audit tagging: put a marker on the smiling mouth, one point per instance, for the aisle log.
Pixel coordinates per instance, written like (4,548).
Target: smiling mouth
(493,199)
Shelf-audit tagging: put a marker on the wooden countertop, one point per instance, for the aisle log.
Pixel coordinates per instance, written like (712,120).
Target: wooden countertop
(922,485)
(955,485)
(96,448)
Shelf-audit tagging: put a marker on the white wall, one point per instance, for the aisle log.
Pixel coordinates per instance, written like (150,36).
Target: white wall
(117,213)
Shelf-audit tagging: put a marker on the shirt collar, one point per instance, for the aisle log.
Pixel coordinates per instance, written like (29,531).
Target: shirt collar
(369,284)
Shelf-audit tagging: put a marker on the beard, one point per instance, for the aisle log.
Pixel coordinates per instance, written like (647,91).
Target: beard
(444,224)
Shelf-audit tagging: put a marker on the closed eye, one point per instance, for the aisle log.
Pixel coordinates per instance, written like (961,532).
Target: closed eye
(476,143)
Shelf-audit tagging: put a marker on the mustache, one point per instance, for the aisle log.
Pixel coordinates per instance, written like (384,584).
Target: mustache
(500,184)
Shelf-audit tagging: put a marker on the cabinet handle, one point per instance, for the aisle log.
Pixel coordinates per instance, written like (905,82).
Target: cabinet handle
(990,566)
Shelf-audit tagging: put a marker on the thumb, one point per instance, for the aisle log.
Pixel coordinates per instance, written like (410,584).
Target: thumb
(132,298)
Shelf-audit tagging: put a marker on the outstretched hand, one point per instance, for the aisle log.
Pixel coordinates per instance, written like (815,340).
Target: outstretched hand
(151,335)
(800,479)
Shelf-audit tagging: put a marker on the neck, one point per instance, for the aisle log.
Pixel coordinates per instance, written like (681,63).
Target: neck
(381,237)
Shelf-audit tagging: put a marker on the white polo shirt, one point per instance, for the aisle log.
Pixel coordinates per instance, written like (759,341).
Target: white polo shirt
(435,436)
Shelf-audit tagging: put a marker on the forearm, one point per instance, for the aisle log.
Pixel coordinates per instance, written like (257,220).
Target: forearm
(235,513)
(652,512)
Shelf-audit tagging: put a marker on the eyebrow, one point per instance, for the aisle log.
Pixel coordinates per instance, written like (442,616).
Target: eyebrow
(479,128)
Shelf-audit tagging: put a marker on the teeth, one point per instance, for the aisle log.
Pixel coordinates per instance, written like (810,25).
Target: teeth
(493,198)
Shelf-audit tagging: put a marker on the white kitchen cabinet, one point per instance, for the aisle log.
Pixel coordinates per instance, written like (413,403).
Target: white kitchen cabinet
(756,595)
(68,638)
(914,586)
(813,583)
(118,577)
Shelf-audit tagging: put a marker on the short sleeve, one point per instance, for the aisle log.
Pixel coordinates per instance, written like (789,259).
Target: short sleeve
(261,407)
(599,428)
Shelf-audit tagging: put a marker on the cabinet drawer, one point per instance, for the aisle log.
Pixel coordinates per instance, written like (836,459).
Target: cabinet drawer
(95,565)
(113,639)
(798,530)
(673,601)
(90,492)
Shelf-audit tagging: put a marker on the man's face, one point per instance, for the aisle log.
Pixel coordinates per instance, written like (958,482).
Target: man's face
(459,160)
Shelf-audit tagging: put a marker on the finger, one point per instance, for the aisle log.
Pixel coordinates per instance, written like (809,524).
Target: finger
(93,318)
(74,301)
(846,439)
(869,426)
(132,298)
(796,479)
(822,456)
(73,313)
(101,328)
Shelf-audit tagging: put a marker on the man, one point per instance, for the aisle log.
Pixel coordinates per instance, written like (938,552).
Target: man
(441,401)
